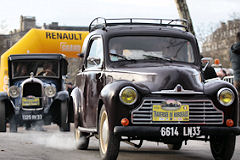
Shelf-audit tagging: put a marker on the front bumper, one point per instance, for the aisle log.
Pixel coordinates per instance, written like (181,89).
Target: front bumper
(150,131)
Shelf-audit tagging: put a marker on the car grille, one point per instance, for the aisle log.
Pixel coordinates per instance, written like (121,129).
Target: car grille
(33,89)
(200,112)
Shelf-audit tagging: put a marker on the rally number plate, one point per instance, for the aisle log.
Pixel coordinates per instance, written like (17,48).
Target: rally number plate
(161,114)
(30,101)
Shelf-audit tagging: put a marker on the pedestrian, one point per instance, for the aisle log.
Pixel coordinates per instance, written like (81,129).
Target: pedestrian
(209,71)
(235,60)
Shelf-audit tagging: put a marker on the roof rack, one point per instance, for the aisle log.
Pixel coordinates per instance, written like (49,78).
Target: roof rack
(102,23)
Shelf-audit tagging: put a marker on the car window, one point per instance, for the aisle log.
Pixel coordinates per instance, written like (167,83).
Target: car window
(95,56)
(150,48)
(39,68)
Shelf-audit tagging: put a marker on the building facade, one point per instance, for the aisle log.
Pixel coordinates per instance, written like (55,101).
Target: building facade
(218,44)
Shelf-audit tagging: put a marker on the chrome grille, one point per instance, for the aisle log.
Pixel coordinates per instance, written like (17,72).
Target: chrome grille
(200,112)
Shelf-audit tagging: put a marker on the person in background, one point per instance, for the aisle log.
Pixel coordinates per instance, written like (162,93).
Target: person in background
(209,71)
(235,60)
(69,87)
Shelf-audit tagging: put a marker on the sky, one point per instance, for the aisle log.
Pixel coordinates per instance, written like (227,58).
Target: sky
(204,13)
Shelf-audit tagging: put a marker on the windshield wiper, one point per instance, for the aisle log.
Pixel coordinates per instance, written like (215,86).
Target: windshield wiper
(158,58)
(123,57)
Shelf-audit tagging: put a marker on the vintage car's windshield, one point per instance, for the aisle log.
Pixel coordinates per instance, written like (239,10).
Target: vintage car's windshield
(127,48)
(39,68)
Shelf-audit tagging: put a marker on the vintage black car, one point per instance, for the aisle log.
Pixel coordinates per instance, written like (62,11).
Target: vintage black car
(36,94)
(142,80)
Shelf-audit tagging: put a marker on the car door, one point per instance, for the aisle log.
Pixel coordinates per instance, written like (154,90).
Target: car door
(93,80)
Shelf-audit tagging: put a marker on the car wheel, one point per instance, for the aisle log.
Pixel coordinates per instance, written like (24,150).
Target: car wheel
(222,147)
(13,124)
(175,146)
(2,117)
(81,139)
(108,143)
(64,124)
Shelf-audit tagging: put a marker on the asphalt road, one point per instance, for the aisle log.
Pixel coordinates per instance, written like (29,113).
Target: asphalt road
(55,145)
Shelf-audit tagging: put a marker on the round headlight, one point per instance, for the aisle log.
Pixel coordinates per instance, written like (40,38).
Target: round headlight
(128,95)
(225,96)
(50,91)
(14,91)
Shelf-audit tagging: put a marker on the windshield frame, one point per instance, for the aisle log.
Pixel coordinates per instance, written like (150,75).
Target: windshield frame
(189,39)
(35,65)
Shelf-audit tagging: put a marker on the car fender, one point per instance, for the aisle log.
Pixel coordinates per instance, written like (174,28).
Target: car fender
(110,97)
(62,96)
(76,98)
(211,89)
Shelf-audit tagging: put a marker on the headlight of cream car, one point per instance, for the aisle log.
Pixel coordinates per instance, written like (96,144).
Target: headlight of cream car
(14,91)
(50,91)
(225,96)
(128,95)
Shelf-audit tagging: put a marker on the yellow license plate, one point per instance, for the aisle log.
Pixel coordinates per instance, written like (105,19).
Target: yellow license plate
(161,114)
(30,102)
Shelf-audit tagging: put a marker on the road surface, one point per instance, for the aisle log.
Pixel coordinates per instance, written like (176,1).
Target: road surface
(53,144)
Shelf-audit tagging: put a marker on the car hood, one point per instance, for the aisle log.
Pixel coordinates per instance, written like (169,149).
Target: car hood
(43,82)
(160,77)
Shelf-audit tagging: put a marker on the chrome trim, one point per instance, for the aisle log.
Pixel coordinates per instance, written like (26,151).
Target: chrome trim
(31,109)
(200,112)
(130,87)
(220,91)
(176,91)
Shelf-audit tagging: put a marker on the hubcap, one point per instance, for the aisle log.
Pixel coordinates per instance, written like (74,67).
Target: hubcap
(104,132)
(77,134)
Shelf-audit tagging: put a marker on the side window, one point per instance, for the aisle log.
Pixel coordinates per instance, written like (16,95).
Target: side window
(95,56)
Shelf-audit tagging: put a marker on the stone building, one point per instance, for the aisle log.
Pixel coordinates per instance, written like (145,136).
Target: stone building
(27,23)
(218,44)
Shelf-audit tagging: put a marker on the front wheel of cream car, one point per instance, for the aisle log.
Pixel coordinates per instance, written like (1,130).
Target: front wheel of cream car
(81,139)
(108,143)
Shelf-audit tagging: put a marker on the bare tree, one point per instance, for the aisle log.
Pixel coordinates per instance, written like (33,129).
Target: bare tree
(235,15)
(3,26)
(203,30)
(184,13)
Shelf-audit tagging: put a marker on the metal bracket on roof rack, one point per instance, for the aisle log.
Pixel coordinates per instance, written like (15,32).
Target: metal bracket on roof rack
(102,23)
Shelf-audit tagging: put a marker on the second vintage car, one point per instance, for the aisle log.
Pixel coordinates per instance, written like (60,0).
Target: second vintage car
(36,94)
(142,80)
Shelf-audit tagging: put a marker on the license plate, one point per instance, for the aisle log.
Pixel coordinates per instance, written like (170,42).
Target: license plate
(161,114)
(30,101)
(183,131)
(32,117)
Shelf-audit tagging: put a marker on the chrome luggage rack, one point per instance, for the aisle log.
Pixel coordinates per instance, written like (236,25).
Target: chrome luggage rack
(102,23)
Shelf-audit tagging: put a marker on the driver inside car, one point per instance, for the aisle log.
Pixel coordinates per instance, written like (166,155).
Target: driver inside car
(47,70)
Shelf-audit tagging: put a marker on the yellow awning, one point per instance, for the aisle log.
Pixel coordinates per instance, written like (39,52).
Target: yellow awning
(43,41)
